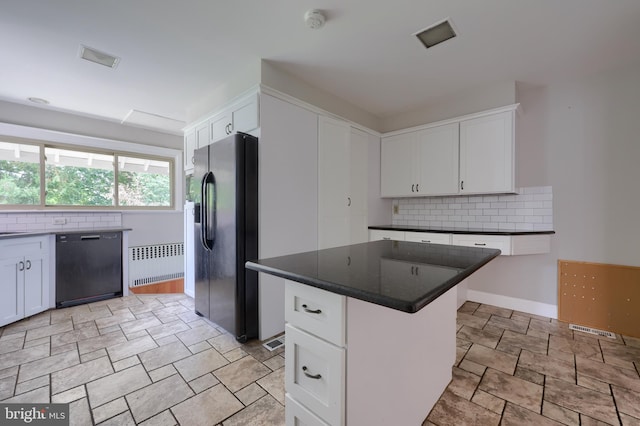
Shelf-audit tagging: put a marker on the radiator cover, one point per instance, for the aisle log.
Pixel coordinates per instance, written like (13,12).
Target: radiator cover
(155,263)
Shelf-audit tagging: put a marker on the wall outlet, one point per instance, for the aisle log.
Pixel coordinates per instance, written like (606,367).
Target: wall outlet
(59,220)
(395,209)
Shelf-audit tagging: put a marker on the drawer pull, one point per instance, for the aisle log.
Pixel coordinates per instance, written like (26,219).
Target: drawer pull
(479,244)
(386,238)
(311,376)
(426,241)
(311,311)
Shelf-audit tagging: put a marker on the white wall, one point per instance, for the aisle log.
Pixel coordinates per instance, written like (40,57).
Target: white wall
(153,227)
(581,138)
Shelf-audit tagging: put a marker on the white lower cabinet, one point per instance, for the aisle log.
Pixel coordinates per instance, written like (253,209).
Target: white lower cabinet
(24,268)
(509,245)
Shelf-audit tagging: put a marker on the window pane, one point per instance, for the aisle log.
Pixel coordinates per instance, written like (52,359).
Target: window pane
(76,178)
(19,174)
(143,182)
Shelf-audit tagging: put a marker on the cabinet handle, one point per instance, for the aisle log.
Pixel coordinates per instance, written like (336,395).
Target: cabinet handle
(348,260)
(311,311)
(311,376)
(412,270)
(417,187)
(28,265)
(349,203)
(462,185)
(386,238)
(426,241)
(413,186)
(417,270)
(21,267)
(479,244)
(193,160)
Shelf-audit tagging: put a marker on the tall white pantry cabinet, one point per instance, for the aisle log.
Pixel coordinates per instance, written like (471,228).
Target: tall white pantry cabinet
(342,184)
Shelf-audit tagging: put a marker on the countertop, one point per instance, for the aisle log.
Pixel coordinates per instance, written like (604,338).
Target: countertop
(480,231)
(19,234)
(400,275)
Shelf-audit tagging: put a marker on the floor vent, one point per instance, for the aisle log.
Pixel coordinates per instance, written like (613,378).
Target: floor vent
(155,263)
(592,331)
(274,344)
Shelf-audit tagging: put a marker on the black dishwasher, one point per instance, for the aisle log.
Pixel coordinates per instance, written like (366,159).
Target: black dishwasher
(88,267)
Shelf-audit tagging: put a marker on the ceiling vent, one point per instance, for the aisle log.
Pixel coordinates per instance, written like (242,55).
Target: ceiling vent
(436,34)
(93,55)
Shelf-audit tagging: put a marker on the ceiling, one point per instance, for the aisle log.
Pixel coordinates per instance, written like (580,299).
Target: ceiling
(175,53)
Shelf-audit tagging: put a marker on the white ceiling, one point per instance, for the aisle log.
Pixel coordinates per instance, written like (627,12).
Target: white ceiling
(174,53)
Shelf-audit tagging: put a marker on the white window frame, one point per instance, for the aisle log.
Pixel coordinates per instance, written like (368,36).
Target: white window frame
(72,140)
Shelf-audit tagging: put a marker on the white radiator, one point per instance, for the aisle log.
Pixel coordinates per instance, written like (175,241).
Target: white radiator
(155,263)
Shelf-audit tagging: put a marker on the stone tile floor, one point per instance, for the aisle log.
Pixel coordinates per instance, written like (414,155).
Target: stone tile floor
(148,359)
(514,368)
(145,359)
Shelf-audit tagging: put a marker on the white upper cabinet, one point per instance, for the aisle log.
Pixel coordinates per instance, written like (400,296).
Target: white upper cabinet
(189,148)
(438,160)
(342,183)
(240,116)
(487,154)
(468,155)
(420,163)
(397,174)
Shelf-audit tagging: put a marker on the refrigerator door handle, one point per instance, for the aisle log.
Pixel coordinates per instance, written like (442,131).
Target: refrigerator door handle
(208,212)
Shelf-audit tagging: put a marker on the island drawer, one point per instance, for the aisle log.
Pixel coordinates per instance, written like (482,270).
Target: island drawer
(298,414)
(314,374)
(316,311)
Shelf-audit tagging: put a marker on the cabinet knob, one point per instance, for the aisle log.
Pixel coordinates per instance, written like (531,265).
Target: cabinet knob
(311,376)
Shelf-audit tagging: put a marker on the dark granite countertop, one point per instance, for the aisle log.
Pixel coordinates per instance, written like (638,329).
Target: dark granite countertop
(483,231)
(401,275)
(19,234)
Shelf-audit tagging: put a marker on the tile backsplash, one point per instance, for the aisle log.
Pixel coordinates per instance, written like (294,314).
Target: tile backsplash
(58,221)
(531,209)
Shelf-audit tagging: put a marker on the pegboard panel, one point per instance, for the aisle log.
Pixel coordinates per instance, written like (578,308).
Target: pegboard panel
(600,295)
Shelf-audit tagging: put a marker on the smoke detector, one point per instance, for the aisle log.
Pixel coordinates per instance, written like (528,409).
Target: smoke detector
(314,19)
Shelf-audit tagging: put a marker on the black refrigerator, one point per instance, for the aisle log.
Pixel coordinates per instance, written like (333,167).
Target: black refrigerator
(226,234)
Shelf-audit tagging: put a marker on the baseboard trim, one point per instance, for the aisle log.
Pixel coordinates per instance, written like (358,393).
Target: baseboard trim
(522,305)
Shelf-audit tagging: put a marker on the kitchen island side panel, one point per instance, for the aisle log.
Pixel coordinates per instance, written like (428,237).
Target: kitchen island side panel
(398,364)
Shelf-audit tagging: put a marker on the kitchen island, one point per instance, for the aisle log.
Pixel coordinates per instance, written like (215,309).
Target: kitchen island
(370,334)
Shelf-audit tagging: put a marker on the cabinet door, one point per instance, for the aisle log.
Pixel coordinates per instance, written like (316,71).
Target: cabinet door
(36,285)
(358,191)
(202,136)
(438,160)
(244,116)
(487,154)
(219,126)
(12,300)
(190,145)
(397,177)
(333,182)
